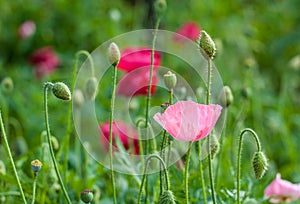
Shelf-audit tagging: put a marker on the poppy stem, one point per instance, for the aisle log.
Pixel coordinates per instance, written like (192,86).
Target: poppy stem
(145,172)
(201,173)
(34,188)
(50,85)
(149,92)
(186,173)
(11,159)
(239,157)
(211,178)
(111,117)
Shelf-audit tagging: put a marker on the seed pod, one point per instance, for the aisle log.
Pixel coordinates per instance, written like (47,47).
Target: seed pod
(36,166)
(160,6)
(61,91)
(207,45)
(259,164)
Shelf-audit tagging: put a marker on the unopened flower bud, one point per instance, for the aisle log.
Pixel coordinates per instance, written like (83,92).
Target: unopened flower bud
(91,88)
(78,97)
(207,45)
(86,196)
(160,6)
(214,146)
(55,143)
(167,197)
(259,164)
(114,54)
(7,85)
(61,91)
(36,166)
(226,97)
(170,80)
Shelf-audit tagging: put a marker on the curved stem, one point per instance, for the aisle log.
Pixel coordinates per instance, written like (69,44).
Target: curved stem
(89,56)
(112,107)
(186,173)
(11,159)
(239,157)
(201,173)
(34,188)
(49,85)
(145,171)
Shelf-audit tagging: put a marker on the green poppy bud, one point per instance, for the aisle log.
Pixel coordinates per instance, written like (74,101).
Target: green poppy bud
(226,97)
(207,45)
(167,197)
(7,85)
(86,196)
(170,80)
(259,164)
(91,88)
(214,146)
(160,6)
(114,54)
(78,97)
(61,91)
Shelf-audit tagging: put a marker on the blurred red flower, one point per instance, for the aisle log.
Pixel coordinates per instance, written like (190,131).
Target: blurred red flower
(136,82)
(45,61)
(126,133)
(26,29)
(190,30)
(137,57)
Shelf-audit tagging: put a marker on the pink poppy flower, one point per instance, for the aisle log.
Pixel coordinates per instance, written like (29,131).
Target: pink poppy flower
(26,29)
(45,61)
(282,191)
(190,30)
(127,135)
(136,57)
(189,121)
(136,83)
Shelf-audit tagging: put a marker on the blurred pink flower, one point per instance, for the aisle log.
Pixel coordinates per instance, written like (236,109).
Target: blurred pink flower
(26,29)
(136,83)
(45,61)
(137,57)
(190,30)
(282,191)
(127,135)
(189,121)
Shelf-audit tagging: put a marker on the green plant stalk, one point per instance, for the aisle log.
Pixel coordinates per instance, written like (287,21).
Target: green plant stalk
(47,85)
(211,178)
(149,91)
(145,171)
(11,159)
(10,193)
(201,173)
(169,141)
(112,107)
(34,188)
(239,157)
(186,173)
(163,145)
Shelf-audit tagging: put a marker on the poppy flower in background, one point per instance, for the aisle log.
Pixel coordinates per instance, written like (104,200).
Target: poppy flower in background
(189,121)
(280,191)
(45,61)
(26,29)
(137,57)
(126,133)
(136,83)
(190,30)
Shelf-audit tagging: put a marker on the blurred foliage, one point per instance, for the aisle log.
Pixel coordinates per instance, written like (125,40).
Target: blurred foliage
(256,42)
